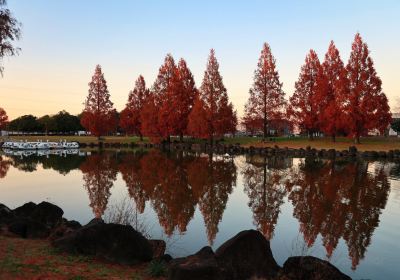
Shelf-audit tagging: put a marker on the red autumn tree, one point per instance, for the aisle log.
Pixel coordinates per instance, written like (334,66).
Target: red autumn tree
(165,91)
(3,118)
(98,116)
(149,119)
(130,116)
(367,104)
(186,96)
(211,120)
(304,108)
(332,94)
(266,101)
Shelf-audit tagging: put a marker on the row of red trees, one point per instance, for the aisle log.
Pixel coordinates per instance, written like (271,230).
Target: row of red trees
(329,97)
(173,106)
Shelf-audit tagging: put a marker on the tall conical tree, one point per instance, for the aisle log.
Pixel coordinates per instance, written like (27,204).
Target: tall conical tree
(98,116)
(214,99)
(304,108)
(367,104)
(186,96)
(165,90)
(333,94)
(266,101)
(130,116)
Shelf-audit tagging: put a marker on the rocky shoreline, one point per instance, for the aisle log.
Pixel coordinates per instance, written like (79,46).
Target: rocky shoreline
(237,149)
(247,255)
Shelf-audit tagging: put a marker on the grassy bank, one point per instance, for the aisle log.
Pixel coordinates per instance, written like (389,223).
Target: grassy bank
(342,143)
(36,259)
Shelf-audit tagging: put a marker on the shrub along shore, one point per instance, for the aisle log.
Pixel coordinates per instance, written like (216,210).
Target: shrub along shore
(122,245)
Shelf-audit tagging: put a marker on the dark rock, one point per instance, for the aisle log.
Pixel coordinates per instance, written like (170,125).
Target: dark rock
(158,246)
(246,255)
(353,151)
(66,227)
(6,214)
(165,258)
(331,153)
(200,266)
(25,210)
(25,227)
(48,214)
(115,243)
(95,221)
(310,268)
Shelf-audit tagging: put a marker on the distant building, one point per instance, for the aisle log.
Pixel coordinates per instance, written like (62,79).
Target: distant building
(395,117)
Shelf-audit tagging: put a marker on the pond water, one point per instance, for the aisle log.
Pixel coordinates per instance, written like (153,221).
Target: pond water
(344,212)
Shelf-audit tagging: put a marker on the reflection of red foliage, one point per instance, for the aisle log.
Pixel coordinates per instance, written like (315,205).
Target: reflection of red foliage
(212,181)
(99,173)
(265,188)
(339,206)
(98,117)
(4,166)
(3,118)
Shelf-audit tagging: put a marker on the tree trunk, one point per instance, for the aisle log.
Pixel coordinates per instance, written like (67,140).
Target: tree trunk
(334,138)
(311,135)
(141,137)
(181,137)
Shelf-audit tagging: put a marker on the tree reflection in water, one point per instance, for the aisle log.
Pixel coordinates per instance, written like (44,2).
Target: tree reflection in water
(331,199)
(4,166)
(339,200)
(264,183)
(175,183)
(99,173)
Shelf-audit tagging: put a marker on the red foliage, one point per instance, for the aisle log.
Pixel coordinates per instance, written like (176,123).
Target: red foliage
(186,96)
(266,102)
(3,118)
(130,116)
(216,117)
(367,105)
(333,93)
(149,119)
(304,108)
(98,117)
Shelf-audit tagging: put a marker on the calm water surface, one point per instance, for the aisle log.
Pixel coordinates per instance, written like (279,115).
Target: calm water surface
(345,212)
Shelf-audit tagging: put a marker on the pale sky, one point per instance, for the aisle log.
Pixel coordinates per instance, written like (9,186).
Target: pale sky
(63,40)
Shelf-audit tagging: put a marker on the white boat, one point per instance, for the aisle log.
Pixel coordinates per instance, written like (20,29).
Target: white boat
(39,145)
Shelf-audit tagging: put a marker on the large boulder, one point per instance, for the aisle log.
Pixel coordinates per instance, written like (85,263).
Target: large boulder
(247,255)
(310,268)
(25,210)
(202,265)
(158,247)
(65,228)
(112,242)
(6,214)
(25,227)
(48,214)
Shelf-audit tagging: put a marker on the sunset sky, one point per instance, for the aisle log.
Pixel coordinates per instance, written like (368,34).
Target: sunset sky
(62,41)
